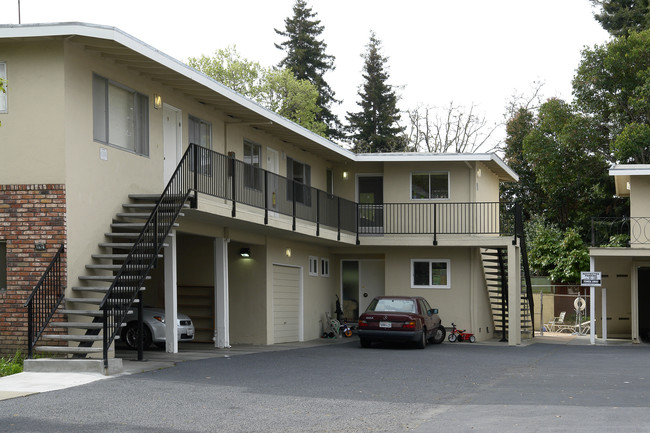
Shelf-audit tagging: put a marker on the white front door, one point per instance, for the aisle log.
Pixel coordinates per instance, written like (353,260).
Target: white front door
(371,282)
(172,140)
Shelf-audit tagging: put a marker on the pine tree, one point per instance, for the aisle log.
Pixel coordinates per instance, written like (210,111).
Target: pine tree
(376,127)
(306,58)
(620,17)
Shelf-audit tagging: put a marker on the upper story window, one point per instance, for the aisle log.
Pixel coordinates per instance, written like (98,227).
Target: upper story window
(429,185)
(199,132)
(3,95)
(253,168)
(120,116)
(301,174)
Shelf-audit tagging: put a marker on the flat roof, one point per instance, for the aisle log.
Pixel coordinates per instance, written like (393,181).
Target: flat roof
(240,108)
(629,170)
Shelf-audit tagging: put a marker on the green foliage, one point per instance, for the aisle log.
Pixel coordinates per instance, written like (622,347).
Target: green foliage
(633,144)
(526,191)
(11,365)
(306,58)
(620,17)
(619,241)
(277,90)
(612,86)
(562,149)
(561,255)
(376,127)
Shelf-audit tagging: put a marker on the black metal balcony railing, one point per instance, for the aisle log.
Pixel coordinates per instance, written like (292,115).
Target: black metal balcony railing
(620,231)
(44,300)
(241,183)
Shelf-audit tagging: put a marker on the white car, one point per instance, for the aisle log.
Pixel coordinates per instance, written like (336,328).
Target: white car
(153,322)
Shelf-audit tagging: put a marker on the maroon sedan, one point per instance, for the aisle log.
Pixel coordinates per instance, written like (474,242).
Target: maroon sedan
(401,318)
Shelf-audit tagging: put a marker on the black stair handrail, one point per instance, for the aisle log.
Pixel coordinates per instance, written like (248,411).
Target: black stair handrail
(44,300)
(520,233)
(144,253)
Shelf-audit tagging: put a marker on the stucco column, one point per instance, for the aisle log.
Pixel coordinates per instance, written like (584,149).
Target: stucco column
(514,296)
(592,304)
(171,295)
(221,308)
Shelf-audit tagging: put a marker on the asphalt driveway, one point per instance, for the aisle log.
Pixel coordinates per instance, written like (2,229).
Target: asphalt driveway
(447,388)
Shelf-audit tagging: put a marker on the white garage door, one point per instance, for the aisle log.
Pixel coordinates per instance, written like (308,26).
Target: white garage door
(286,303)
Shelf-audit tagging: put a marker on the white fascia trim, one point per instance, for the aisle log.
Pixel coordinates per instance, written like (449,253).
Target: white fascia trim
(438,157)
(630,170)
(119,36)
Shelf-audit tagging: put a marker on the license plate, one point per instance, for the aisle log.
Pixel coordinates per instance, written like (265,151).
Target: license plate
(385,324)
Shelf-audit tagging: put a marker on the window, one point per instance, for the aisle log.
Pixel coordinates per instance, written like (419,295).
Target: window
(199,132)
(252,170)
(120,116)
(433,274)
(3,95)
(3,266)
(301,174)
(313,266)
(429,185)
(325,267)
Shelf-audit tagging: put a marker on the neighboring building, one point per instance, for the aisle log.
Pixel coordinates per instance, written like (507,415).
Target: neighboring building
(95,125)
(621,252)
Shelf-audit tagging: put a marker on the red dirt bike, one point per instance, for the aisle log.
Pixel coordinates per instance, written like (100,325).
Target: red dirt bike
(456,335)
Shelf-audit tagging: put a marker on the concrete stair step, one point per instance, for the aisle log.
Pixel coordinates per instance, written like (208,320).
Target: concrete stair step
(114,267)
(91,313)
(110,278)
(136,226)
(99,289)
(70,337)
(72,350)
(119,257)
(77,325)
(127,245)
(141,215)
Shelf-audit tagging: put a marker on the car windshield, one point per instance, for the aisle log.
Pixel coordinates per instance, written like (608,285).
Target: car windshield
(397,305)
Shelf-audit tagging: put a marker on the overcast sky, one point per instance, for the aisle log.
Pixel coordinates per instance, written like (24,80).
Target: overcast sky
(466,51)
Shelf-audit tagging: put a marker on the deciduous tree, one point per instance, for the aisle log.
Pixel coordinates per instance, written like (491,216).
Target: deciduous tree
(277,90)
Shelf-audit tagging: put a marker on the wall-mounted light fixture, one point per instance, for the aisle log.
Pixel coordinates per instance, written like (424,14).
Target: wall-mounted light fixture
(628,186)
(345,175)
(157,101)
(245,252)
(478,172)
(288,252)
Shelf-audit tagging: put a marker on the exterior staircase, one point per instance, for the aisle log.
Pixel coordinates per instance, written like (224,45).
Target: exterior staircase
(495,268)
(82,334)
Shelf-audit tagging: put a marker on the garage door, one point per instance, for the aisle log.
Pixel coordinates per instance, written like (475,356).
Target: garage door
(286,303)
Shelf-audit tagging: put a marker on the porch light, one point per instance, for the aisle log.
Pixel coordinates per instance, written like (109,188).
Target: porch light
(628,186)
(157,101)
(288,252)
(245,252)
(345,175)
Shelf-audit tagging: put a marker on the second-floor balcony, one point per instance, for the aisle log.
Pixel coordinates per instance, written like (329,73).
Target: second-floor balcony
(276,197)
(620,232)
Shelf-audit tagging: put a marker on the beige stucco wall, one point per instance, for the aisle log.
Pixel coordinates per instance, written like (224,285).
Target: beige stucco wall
(32,133)
(487,184)
(639,193)
(465,303)
(616,274)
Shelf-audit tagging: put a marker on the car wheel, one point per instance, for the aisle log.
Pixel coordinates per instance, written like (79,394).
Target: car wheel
(131,336)
(472,339)
(422,343)
(438,335)
(160,345)
(365,342)
(452,338)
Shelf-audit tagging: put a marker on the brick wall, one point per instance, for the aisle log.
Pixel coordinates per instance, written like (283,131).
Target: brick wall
(29,215)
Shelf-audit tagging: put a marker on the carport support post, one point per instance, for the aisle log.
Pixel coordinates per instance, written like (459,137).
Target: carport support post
(592,299)
(514,296)
(171,296)
(221,308)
